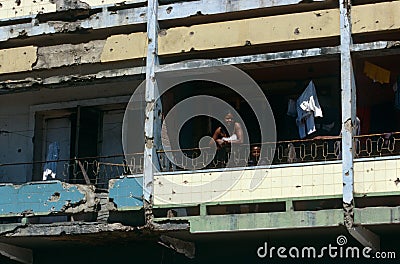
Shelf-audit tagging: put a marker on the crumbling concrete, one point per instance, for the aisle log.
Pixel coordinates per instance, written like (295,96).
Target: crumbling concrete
(67,54)
(62,5)
(46,198)
(88,204)
(71,228)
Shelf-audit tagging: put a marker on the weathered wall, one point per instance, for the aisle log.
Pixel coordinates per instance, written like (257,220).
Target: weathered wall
(15,9)
(114,48)
(264,30)
(376,17)
(277,183)
(16,140)
(43,198)
(17,59)
(371,177)
(379,176)
(203,37)
(123,47)
(126,193)
(67,54)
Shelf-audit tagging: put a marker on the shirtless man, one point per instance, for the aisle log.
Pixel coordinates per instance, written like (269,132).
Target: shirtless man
(233,132)
(225,136)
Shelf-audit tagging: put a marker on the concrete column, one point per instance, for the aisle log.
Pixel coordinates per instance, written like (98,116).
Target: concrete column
(348,110)
(151,94)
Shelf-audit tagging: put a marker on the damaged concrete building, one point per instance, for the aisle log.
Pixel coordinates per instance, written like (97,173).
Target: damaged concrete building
(71,191)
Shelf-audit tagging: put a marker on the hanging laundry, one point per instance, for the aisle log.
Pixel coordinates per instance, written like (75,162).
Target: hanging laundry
(376,73)
(307,108)
(50,167)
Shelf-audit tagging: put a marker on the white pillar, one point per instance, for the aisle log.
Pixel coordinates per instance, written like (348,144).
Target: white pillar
(348,110)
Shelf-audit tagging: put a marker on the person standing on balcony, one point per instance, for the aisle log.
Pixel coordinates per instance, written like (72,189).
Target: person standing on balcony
(229,133)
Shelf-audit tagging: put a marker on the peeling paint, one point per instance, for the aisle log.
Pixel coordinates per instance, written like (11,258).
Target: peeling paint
(44,198)
(262,30)
(348,214)
(368,15)
(17,59)
(126,193)
(59,229)
(63,5)
(120,47)
(348,125)
(62,27)
(149,142)
(67,54)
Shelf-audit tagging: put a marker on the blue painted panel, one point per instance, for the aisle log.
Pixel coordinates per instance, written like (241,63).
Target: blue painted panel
(127,193)
(38,197)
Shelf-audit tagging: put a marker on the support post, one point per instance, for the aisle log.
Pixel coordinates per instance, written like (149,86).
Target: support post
(348,111)
(365,237)
(19,254)
(151,95)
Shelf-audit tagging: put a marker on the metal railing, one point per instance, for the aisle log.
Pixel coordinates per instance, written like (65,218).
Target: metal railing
(99,170)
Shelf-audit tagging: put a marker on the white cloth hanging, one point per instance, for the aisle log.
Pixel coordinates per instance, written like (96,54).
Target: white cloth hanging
(50,167)
(307,108)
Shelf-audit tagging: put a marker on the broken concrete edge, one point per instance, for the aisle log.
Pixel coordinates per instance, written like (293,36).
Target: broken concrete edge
(65,228)
(129,13)
(55,81)
(30,82)
(183,247)
(89,203)
(16,253)
(62,5)
(81,228)
(348,214)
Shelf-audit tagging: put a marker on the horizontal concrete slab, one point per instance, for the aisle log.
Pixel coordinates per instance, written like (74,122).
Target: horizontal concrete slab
(126,193)
(43,198)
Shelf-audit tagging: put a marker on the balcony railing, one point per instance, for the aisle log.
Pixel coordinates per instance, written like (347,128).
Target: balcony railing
(99,170)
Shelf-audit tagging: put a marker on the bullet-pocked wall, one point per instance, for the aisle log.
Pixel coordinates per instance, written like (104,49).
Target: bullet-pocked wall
(293,30)
(114,48)
(10,9)
(18,125)
(222,36)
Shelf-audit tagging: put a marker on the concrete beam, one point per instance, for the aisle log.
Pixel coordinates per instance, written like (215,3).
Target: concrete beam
(267,60)
(210,7)
(183,247)
(19,254)
(114,48)
(367,18)
(138,15)
(365,237)
(71,228)
(65,80)
(102,20)
(377,215)
(17,59)
(252,31)
(265,221)
(17,10)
